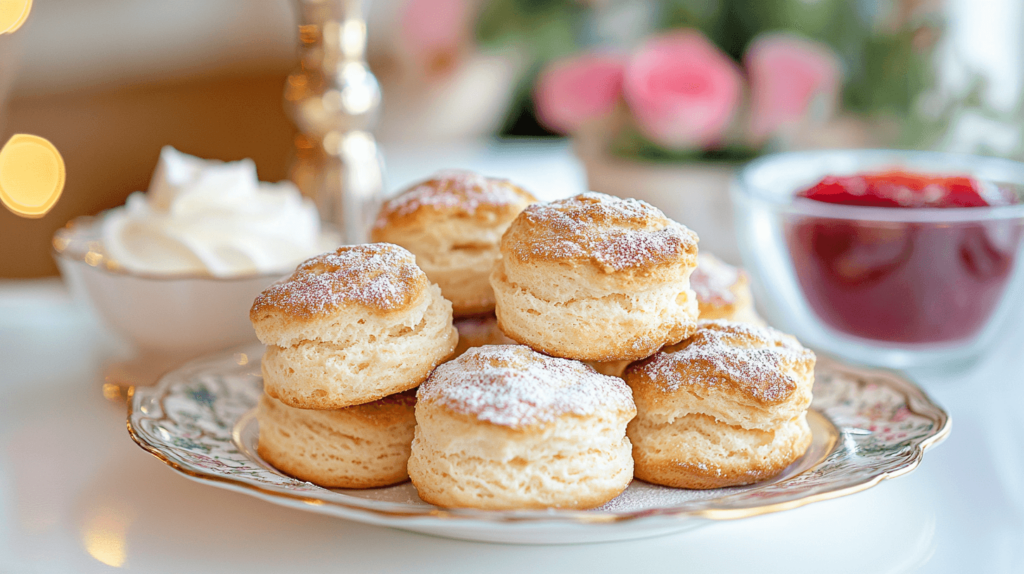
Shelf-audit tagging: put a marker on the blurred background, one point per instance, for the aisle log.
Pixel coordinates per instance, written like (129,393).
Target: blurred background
(110,82)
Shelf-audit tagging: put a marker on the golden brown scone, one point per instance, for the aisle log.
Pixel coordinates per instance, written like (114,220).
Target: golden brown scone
(452,223)
(596,278)
(725,407)
(723,291)
(505,427)
(351,327)
(363,446)
(478,331)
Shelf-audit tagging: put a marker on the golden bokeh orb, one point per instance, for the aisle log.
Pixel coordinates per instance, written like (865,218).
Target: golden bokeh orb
(31,175)
(13,14)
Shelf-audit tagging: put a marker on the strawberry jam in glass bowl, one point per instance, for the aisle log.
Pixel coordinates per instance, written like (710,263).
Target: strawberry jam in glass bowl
(885,257)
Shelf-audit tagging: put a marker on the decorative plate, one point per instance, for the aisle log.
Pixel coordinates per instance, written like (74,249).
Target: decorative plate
(868,425)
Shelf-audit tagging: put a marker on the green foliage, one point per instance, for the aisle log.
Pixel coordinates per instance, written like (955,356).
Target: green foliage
(546,28)
(889,76)
(708,16)
(630,143)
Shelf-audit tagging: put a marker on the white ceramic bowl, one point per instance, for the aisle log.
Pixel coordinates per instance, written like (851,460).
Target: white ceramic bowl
(168,315)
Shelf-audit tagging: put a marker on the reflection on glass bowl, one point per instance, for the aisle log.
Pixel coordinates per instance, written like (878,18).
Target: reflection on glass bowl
(888,286)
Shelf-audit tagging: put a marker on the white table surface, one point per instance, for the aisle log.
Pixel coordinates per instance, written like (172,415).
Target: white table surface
(77,495)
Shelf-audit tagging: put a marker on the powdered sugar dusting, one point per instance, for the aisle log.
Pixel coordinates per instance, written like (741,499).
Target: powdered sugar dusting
(454,191)
(643,496)
(747,358)
(713,280)
(514,386)
(378,275)
(617,234)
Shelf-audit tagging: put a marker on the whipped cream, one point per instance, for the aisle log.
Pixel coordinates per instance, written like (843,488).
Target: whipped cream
(203,216)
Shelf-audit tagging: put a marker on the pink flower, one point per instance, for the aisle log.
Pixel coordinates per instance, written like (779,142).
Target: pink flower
(435,29)
(576,90)
(791,79)
(682,90)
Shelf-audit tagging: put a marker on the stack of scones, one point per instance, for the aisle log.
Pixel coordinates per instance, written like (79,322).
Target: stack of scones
(347,335)
(577,360)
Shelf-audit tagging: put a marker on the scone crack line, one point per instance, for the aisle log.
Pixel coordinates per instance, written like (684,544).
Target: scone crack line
(380,338)
(684,416)
(766,416)
(321,429)
(344,330)
(625,301)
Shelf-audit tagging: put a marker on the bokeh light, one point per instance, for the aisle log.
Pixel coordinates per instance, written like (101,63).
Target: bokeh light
(31,175)
(13,14)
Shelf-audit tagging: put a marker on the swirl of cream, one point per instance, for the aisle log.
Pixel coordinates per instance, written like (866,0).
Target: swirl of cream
(202,216)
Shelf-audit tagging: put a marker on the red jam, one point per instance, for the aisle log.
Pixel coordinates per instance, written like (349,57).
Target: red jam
(902,282)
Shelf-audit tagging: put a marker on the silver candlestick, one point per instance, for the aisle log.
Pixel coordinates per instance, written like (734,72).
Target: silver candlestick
(334,100)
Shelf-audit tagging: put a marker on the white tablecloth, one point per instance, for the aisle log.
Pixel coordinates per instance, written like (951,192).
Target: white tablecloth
(77,495)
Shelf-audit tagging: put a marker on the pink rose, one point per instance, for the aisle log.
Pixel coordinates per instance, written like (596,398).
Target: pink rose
(682,90)
(576,90)
(434,30)
(791,78)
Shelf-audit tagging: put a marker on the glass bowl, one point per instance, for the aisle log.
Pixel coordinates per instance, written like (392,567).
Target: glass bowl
(895,287)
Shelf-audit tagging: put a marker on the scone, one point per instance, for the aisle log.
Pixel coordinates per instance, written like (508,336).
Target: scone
(363,446)
(728,407)
(351,327)
(596,278)
(723,291)
(504,427)
(478,331)
(452,223)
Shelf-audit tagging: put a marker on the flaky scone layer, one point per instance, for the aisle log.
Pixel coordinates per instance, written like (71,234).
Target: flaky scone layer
(574,462)
(377,359)
(696,451)
(505,427)
(609,327)
(726,406)
(596,278)
(363,446)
